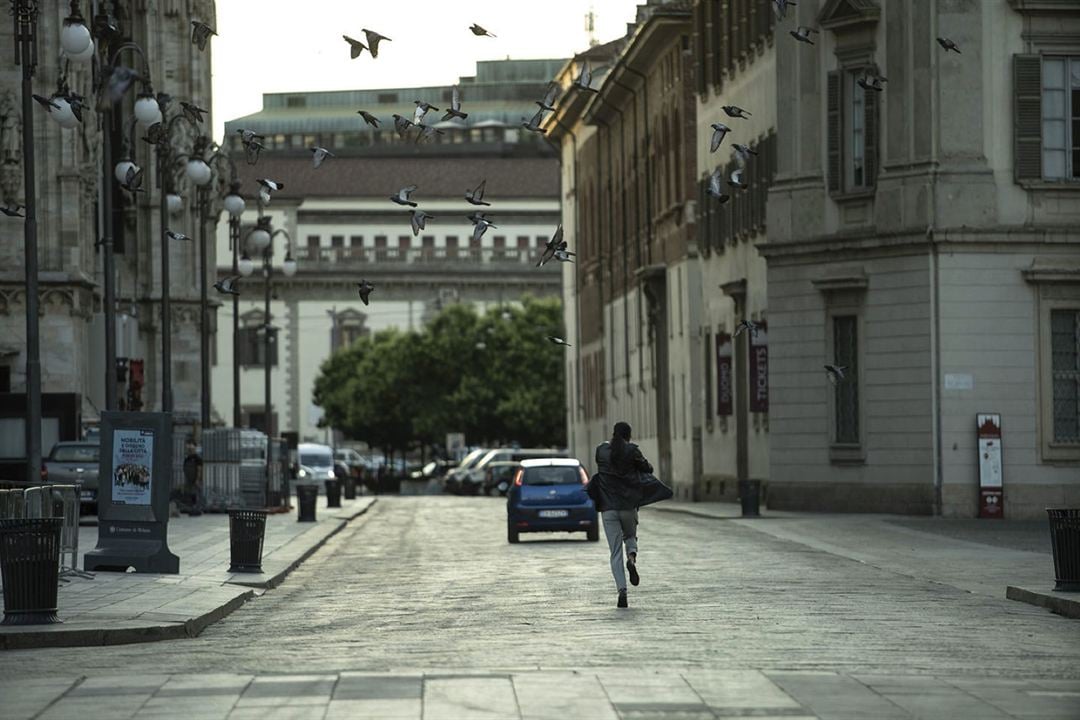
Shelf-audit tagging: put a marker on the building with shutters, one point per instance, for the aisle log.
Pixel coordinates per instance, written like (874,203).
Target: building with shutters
(925,237)
(340,226)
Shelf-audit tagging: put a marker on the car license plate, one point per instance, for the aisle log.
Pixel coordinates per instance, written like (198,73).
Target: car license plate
(88,494)
(554,513)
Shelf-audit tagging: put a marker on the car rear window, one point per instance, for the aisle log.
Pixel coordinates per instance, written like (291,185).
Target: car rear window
(76,453)
(316,459)
(552,475)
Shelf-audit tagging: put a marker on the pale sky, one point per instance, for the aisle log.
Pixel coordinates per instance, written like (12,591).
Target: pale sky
(289,46)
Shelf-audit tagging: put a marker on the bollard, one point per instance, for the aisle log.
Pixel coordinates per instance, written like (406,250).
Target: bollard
(333,493)
(306,496)
(750,497)
(30,568)
(350,487)
(247,528)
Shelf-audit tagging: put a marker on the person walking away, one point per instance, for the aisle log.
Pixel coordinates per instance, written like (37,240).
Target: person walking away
(623,483)
(193,465)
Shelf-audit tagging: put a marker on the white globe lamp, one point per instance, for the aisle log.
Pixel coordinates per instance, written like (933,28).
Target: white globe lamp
(288,266)
(122,169)
(198,171)
(234,205)
(245,265)
(75,36)
(62,113)
(259,239)
(85,56)
(147,110)
(174,202)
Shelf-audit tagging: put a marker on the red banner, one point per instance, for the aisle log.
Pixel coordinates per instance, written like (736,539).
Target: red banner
(724,374)
(759,370)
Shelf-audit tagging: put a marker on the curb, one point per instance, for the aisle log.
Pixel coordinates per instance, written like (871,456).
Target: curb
(710,516)
(1055,602)
(59,636)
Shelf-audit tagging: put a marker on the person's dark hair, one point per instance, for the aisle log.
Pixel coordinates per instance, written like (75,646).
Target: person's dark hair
(620,448)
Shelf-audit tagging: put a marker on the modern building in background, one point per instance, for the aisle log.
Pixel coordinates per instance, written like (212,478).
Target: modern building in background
(341,226)
(922,235)
(70,187)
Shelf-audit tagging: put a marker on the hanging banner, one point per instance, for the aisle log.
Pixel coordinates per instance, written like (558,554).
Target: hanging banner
(724,375)
(759,369)
(991,481)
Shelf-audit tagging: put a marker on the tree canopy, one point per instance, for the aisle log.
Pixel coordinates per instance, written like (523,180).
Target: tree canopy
(495,377)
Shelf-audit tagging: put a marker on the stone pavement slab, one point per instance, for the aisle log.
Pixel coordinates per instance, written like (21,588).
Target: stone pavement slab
(118,608)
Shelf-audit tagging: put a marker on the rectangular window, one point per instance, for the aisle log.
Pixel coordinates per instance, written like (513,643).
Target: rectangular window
(1065,369)
(313,243)
(846,390)
(856,137)
(337,241)
(1061,118)
(251,352)
(851,137)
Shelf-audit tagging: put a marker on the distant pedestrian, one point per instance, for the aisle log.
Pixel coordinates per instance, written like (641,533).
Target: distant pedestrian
(623,483)
(193,479)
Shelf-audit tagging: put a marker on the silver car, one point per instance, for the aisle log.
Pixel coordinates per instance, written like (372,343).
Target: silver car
(72,463)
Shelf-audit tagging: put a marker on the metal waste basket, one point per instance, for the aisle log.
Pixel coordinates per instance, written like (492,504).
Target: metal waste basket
(247,528)
(333,493)
(750,497)
(306,496)
(30,567)
(350,487)
(1065,541)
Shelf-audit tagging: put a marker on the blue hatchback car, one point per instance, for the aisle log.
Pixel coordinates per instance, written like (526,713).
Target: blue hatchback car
(548,495)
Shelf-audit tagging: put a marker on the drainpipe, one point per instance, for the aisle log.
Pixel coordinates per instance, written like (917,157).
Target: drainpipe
(611,248)
(637,233)
(648,211)
(935,288)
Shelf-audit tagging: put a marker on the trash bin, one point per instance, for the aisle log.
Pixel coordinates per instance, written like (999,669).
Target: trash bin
(1065,541)
(333,493)
(30,568)
(306,496)
(350,487)
(247,528)
(750,497)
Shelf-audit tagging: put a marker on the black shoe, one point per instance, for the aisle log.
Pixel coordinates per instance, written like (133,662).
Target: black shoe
(631,566)
(622,599)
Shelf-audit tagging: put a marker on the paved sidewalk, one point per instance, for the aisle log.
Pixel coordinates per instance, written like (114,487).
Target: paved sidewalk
(586,694)
(951,551)
(118,608)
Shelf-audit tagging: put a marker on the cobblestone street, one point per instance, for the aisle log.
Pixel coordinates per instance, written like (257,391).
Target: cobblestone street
(429,588)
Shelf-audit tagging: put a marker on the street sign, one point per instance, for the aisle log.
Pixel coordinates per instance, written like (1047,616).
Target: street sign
(135,474)
(991,481)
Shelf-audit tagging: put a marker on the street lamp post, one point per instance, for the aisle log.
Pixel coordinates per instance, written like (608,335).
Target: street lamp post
(25,14)
(234,205)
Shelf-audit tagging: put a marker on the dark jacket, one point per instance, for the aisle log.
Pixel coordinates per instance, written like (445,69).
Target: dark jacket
(628,487)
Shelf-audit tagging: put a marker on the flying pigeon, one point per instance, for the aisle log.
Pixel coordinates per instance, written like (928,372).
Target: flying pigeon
(476,216)
(871,82)
(476,196)
(745,325)
(454,111)
(76,103)
(200,33)
(120,78)
(736,180)
(268,186)
(780,8)
(735,111)
(252,150)
(584,78)
(402,125)
(365,290)
(422,109)
(479,31)
(12,211)
(835,373)
(48,103)
(802,34)
(564,255)
(249,136)
(373,39)
(743,153)
(368,118)
(133,180)
(194,113)
(533,124)
(550,95)
(716,185)
(558,341)
(318,154)
(419,221)
(426,132)
(164,99)
(402,197)
(176,236)
(157,135)
(948,45)
(355,47)
(720,130)
(555,244)
(481,224)
(227,285)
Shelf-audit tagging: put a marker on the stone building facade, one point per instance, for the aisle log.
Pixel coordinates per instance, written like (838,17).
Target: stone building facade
(69,195)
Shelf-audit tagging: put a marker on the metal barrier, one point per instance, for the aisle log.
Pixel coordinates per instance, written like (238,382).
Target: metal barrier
(12,505)
(50,501)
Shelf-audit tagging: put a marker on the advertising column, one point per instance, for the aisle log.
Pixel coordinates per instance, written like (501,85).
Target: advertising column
(991,486)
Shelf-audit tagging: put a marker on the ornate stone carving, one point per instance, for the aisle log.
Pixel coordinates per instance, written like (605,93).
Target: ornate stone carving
(10,149)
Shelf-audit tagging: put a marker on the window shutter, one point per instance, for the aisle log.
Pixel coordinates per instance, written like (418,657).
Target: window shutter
(835,166)
(870,123)
(1027,120)
(702,30)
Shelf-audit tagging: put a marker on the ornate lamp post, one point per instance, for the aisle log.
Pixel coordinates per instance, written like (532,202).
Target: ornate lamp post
(288,267)
(234,205)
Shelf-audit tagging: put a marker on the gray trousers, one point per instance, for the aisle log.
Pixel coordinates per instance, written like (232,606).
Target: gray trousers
(620,526)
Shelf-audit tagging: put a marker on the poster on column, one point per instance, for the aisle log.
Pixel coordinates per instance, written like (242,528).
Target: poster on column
(723,374)
(759,369)
(133,462)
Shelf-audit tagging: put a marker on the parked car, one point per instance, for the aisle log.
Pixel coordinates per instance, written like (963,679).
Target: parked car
(472,482)
(433,470)
(316,463)
(352,460)
(69,463)
(498,476)
(548,495)
(452,481)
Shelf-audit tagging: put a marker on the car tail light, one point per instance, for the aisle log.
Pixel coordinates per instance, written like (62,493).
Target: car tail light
(584,476)
(518,475)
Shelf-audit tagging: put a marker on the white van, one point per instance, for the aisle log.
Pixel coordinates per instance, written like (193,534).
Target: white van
(316,462)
